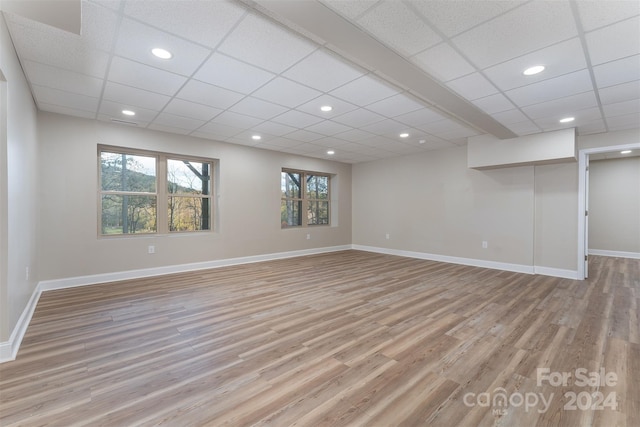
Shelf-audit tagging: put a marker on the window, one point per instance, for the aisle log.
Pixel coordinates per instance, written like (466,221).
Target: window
(135,185)
(305,198)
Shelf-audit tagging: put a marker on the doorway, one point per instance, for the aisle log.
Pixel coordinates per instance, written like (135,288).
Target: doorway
(583,202)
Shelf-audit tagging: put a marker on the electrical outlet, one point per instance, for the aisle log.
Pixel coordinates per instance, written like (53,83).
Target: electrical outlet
(27,274)
(387,236)
(485,244)
(152,249)
(308,236)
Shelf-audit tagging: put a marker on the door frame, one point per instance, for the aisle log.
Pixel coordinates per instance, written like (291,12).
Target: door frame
(583,188)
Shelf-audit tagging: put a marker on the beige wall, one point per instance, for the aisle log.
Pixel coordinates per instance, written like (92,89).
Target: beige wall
(556,225)
(18,185)
(614,205)
(432,203)
(249,202)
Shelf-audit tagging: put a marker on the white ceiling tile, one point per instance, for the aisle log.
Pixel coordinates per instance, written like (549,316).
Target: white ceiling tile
(205,22)
(525,29)
(47,95)
(595,126)
(218,130)
(582,118)
(628,121)
(57,78)
(110,110)
(443,62)
(339,106)
(604,44)
(134,97)
(378,141)
(453,17)
(559,59)
(562,106)
(323,71)
(354,135)
(169,129)
(598,13)
(622,108)
(98,29)
(272,128)
(358,118)
(619,93)
(279,143)
(246,137)
(462,132)
(297,119)
(395,105)
(305,136)
(328,128)
(221,70)
(258,108)
(351,9)
(398,27)
(473,86)
(615,72)
(240,121)
(213,96)
(111,4)
(261,42)
(494,103)
(420,117)
(184,108)
(547,90)
(441,126)
(180,122)
(364,91)
(144,77)
(57,48)
(286,92)
(386,127)
(135,41)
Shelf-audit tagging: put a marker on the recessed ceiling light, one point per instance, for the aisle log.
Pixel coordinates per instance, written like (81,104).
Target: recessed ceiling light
(256,137)
(422,141)
(161,53)
(326,108)
(533,70)
(128,113)
(331,152)
(404,135)
(625,152)
(567,119)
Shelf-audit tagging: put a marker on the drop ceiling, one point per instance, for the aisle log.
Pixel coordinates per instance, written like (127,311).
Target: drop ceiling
(439,71)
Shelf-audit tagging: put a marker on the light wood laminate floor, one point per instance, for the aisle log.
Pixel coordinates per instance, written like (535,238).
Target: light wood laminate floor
(346,338)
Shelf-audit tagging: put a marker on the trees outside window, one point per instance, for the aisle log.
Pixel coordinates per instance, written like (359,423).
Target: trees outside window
(134,183)
(305,198)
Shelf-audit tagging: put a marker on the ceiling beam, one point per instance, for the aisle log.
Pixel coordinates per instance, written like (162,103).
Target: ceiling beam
(315,20)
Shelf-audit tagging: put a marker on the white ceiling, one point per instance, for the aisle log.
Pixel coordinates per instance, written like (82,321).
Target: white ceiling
(438,70)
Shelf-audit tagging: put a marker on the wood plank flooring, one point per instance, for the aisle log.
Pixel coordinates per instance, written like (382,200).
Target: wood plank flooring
(347,338)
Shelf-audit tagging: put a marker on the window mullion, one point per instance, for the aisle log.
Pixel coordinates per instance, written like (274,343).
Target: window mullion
(162,194)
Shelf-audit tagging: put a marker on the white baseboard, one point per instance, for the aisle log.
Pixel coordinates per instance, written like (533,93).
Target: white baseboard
(9,349)
(556,272)
(70,282)
(616,254)
(518,268)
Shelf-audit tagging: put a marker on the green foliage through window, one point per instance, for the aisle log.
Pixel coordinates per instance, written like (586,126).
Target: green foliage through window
(130,193)
(304,199)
